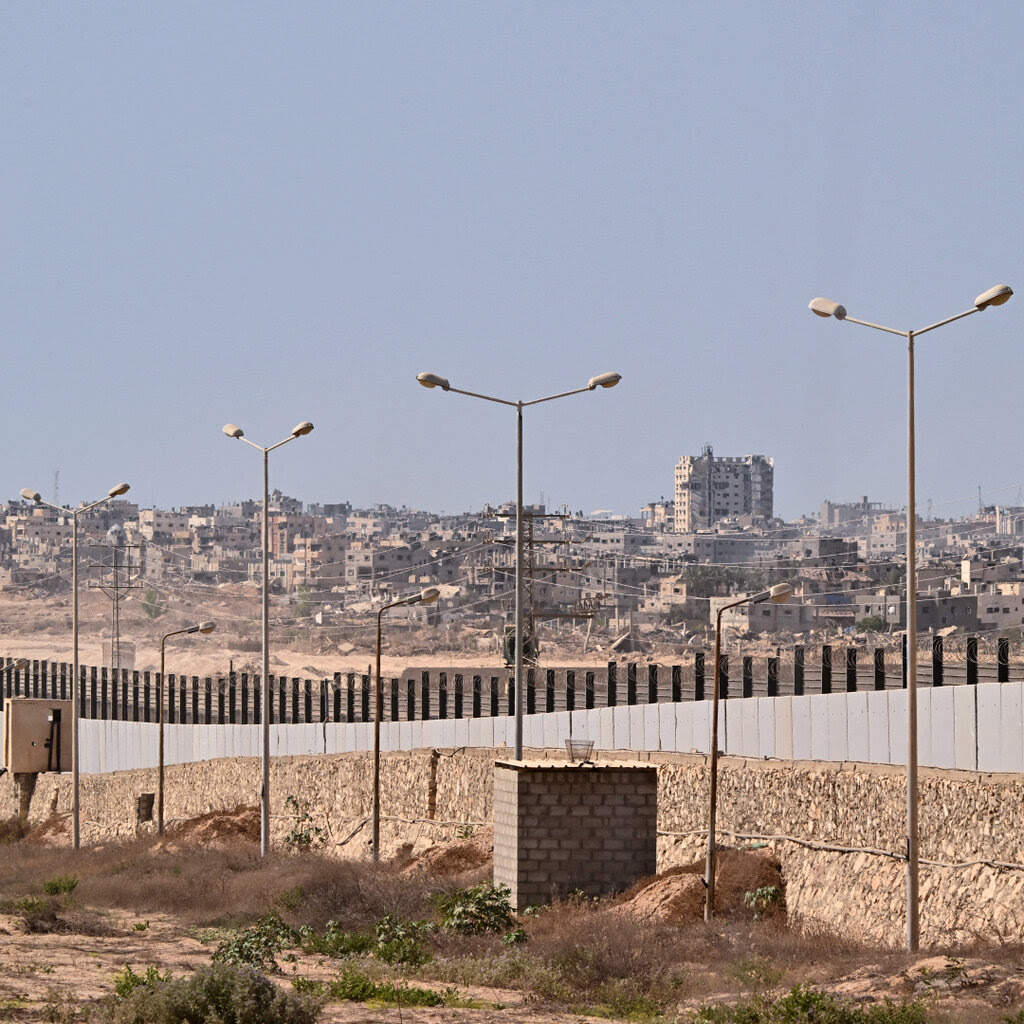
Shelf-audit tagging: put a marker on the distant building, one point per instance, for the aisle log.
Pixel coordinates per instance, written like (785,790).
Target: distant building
(709,488)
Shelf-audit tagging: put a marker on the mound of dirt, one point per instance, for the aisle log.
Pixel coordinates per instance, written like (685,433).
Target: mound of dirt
(456,857)
(677,898)
(240,825)
(678,895)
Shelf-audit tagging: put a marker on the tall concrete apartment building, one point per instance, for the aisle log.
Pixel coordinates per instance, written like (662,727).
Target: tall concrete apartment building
(710,488)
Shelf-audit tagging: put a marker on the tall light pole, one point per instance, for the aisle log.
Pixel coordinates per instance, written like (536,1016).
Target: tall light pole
(203,627)
(29,495)
(780,593)
(604,380)
(826,307)
(234,431)
(428,596)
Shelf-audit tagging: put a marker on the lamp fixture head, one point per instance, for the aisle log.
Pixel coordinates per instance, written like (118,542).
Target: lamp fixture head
(118,490)
(430,595)
(29,495)
(781,593)
(993,297)
(826,307)
(233,431)
(305,427)
(433,380)
(207,627)
(604,380)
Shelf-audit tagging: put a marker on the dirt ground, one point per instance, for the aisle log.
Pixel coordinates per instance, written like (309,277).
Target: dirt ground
(39,628)
(57,975)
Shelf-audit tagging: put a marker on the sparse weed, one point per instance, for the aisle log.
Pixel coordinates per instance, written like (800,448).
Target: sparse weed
(12,829)
(305,835)
(60,1007)
(764,901)
(755,973)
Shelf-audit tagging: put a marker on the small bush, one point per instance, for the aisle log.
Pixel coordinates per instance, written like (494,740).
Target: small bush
(335,941)
(305,835)
(482,908)
(60,885)
(222,993)
(354,986)
(805,1005)
(398,942)
(259,945)
(127,981)
(12,829)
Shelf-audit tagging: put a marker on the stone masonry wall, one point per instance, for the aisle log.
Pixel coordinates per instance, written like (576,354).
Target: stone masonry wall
(965,817)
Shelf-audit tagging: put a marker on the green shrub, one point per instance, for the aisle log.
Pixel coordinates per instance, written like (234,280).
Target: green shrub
(354,986)
(398,942)
(219,994)
(259,945)
(127,981)
(483,908)
(60,885)
(336,942)
(805,1005)
(304,835)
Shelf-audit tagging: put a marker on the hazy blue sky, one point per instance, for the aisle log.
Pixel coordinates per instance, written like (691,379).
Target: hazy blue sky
(266,213)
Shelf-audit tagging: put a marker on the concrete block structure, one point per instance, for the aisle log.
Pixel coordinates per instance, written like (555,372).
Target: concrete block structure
(559,828)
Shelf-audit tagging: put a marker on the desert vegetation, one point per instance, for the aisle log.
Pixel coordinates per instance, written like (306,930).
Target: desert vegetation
(197,927)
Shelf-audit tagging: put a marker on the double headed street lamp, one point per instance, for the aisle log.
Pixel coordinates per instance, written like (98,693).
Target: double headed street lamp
(604,380)
(233,431)
(780,593)
(428,596)
(203,627)
(29,495)
(826,307)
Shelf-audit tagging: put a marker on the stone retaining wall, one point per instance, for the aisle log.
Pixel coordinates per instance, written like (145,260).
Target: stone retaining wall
(426,794)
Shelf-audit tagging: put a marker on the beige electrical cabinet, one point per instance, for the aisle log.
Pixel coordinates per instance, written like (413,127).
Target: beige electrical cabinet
(37,735)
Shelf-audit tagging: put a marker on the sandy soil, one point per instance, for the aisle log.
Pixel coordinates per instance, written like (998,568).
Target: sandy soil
(40,628)
(56,975)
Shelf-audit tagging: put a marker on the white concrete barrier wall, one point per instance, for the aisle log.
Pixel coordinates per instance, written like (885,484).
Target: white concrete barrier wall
(975,728)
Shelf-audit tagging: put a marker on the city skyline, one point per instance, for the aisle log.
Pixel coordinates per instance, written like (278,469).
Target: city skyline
(269,215)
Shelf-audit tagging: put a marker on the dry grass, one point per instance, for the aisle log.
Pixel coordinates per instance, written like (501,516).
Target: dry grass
(579,955)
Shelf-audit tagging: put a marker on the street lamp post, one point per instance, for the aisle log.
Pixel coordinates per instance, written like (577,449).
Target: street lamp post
(826,307)
(203,627)
(14,666)
(780,593)
(604,380)
(29,495)
(428,596)
(236,432)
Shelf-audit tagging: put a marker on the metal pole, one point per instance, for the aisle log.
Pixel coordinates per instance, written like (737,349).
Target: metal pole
(709,867)
(377,713)
(75,798)
(913,931)
(265,791)
(160,717)
(520,697)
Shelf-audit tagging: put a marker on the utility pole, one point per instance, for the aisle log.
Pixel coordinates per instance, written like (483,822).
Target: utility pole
(118,577)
